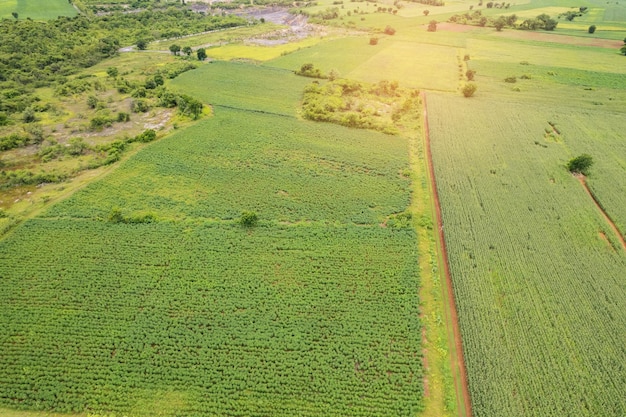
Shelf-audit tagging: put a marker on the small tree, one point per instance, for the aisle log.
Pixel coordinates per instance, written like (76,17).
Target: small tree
(373,41)
(426,12)
(175,49)
(580,164)
(432,26)
(591,29)
(187,50)
(499,23)
(470,75)
(248,219)
(623,50)
(201,53)
(468,89)
(15,15)
(389,30)
(142,44)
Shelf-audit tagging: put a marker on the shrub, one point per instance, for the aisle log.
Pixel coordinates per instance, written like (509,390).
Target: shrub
(512,79)
(432,26)
(373,41)
(470,75)
(469,89)
(580,164)
(389,30)
(591,29)
(248,219)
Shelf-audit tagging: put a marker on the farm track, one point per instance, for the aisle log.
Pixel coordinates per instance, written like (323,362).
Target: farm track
(458,366)
(610,222)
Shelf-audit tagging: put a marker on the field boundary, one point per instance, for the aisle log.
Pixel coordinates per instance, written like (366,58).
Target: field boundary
(605,215)
(459,375)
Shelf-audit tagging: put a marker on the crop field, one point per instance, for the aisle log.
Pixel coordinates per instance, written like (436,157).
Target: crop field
(210,319)
(245,86)
(314,311)
(537,271)
(36,9)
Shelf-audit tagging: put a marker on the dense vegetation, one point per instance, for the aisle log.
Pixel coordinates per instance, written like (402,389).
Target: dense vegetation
(35,54)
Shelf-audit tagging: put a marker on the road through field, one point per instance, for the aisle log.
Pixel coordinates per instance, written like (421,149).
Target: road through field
(456,357)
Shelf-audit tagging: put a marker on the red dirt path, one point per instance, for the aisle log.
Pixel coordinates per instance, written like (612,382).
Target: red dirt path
(460,378)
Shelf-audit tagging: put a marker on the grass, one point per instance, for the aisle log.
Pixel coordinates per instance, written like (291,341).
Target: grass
(36,9)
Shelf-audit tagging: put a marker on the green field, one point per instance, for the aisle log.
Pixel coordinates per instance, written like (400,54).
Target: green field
(141,293)
(36,9)
(313,312)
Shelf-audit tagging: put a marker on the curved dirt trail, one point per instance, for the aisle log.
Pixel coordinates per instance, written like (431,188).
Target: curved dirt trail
(610,222)
(458,363)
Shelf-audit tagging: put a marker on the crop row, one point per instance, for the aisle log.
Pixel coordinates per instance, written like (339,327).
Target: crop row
(539,291)
(276,320)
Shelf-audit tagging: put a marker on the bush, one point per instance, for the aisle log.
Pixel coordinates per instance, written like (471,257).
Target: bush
(470,75)
(469,89)
(389,30)
(432,26)
(249,219)
(580,164)
(592,29)
(512,79)
(373,41)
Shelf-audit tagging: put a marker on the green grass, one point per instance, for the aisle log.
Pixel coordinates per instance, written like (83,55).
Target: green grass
(36,9)
(244,86)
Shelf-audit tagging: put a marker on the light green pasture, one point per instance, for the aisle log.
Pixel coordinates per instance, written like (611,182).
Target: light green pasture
(259,52)
(413,65)
(36,9)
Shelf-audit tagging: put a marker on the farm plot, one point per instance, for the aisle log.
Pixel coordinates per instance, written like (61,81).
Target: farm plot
(210,320)
(36,9)
(281,168)
(538,273)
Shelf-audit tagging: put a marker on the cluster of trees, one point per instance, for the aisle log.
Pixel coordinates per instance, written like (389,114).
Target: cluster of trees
(37,54)
(309,70)
(496,5)
(543,21)
(430,2)
(571,15)
(476,18)
(358,105)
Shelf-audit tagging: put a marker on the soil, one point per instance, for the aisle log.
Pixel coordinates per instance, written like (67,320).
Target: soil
(620,236)
(458,363)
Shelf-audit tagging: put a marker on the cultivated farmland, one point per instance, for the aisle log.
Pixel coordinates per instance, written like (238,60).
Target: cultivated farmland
(36,9)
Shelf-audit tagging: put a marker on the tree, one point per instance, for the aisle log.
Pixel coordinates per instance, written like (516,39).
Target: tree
(469,89)
(591,29)
(470,75)
(432,26)
(499,23)
(142,44)
(187,50)
(580,164)
(248,219)
(201,53)
(175,49)
(623,49)
(373,41)
(389,30)
(426,12)
(15,15)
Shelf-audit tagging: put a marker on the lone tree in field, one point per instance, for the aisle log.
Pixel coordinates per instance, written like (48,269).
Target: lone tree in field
(248,219)
(469,89)
(175,49)
(142,44)
(432,26)
(426,12)
(15,15)
(591,29)
(201,53)
(580,164)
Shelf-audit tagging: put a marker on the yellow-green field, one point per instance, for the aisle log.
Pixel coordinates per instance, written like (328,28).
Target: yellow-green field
(36,9)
